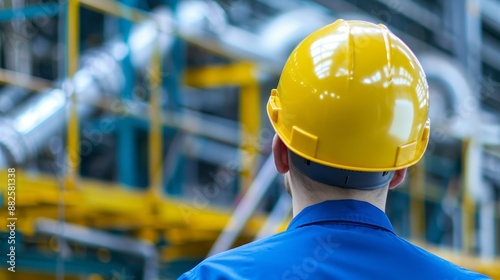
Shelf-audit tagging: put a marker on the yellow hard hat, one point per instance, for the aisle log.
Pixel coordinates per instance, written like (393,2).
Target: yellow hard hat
(352,96)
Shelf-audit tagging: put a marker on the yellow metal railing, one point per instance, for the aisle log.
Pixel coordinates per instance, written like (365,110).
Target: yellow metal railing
(155,131)
(73,131)
(468,205)
(155,138)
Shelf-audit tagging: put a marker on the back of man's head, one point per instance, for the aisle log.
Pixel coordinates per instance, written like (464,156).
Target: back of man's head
(351,107)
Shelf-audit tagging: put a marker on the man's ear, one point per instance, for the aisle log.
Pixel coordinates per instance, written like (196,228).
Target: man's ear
(399,176)
(280,153)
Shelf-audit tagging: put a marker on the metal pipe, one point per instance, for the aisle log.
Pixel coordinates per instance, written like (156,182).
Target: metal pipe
(100,239)
(281,34)
(463,120)
(246,207)
(414,11)
(30,126)
(204,24)
(460,120)
(490,10)
(348,11)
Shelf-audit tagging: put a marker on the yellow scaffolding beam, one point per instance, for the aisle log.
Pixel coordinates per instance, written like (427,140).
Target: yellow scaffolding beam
(235,74)
(244,75)
(468,205)
(155,131)
(249,131)
(133,210)
(73,133)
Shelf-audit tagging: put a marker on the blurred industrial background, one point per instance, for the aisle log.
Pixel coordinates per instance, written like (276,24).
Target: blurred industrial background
(138,132)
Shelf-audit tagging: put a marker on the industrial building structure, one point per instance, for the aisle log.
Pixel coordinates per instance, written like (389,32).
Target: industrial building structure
(134,140)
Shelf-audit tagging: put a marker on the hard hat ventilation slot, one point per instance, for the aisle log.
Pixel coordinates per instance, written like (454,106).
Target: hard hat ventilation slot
(385,173)
(308,162)
(346,180)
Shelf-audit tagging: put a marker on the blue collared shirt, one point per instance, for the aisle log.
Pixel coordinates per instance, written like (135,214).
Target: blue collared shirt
(341,239)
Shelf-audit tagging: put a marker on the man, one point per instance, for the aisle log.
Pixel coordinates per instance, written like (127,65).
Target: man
(350,113)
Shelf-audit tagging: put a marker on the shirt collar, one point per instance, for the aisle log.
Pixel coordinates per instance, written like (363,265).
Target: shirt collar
(354,211)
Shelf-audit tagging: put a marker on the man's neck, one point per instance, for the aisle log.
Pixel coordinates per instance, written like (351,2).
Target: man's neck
(301,199)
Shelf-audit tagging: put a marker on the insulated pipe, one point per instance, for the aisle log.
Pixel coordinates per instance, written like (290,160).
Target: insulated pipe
(281,34)
(100,239)
(204,23)
(460,119)
(30,126)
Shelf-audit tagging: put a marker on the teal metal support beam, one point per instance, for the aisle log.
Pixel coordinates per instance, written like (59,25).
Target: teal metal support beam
(128,152)
(30,12)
